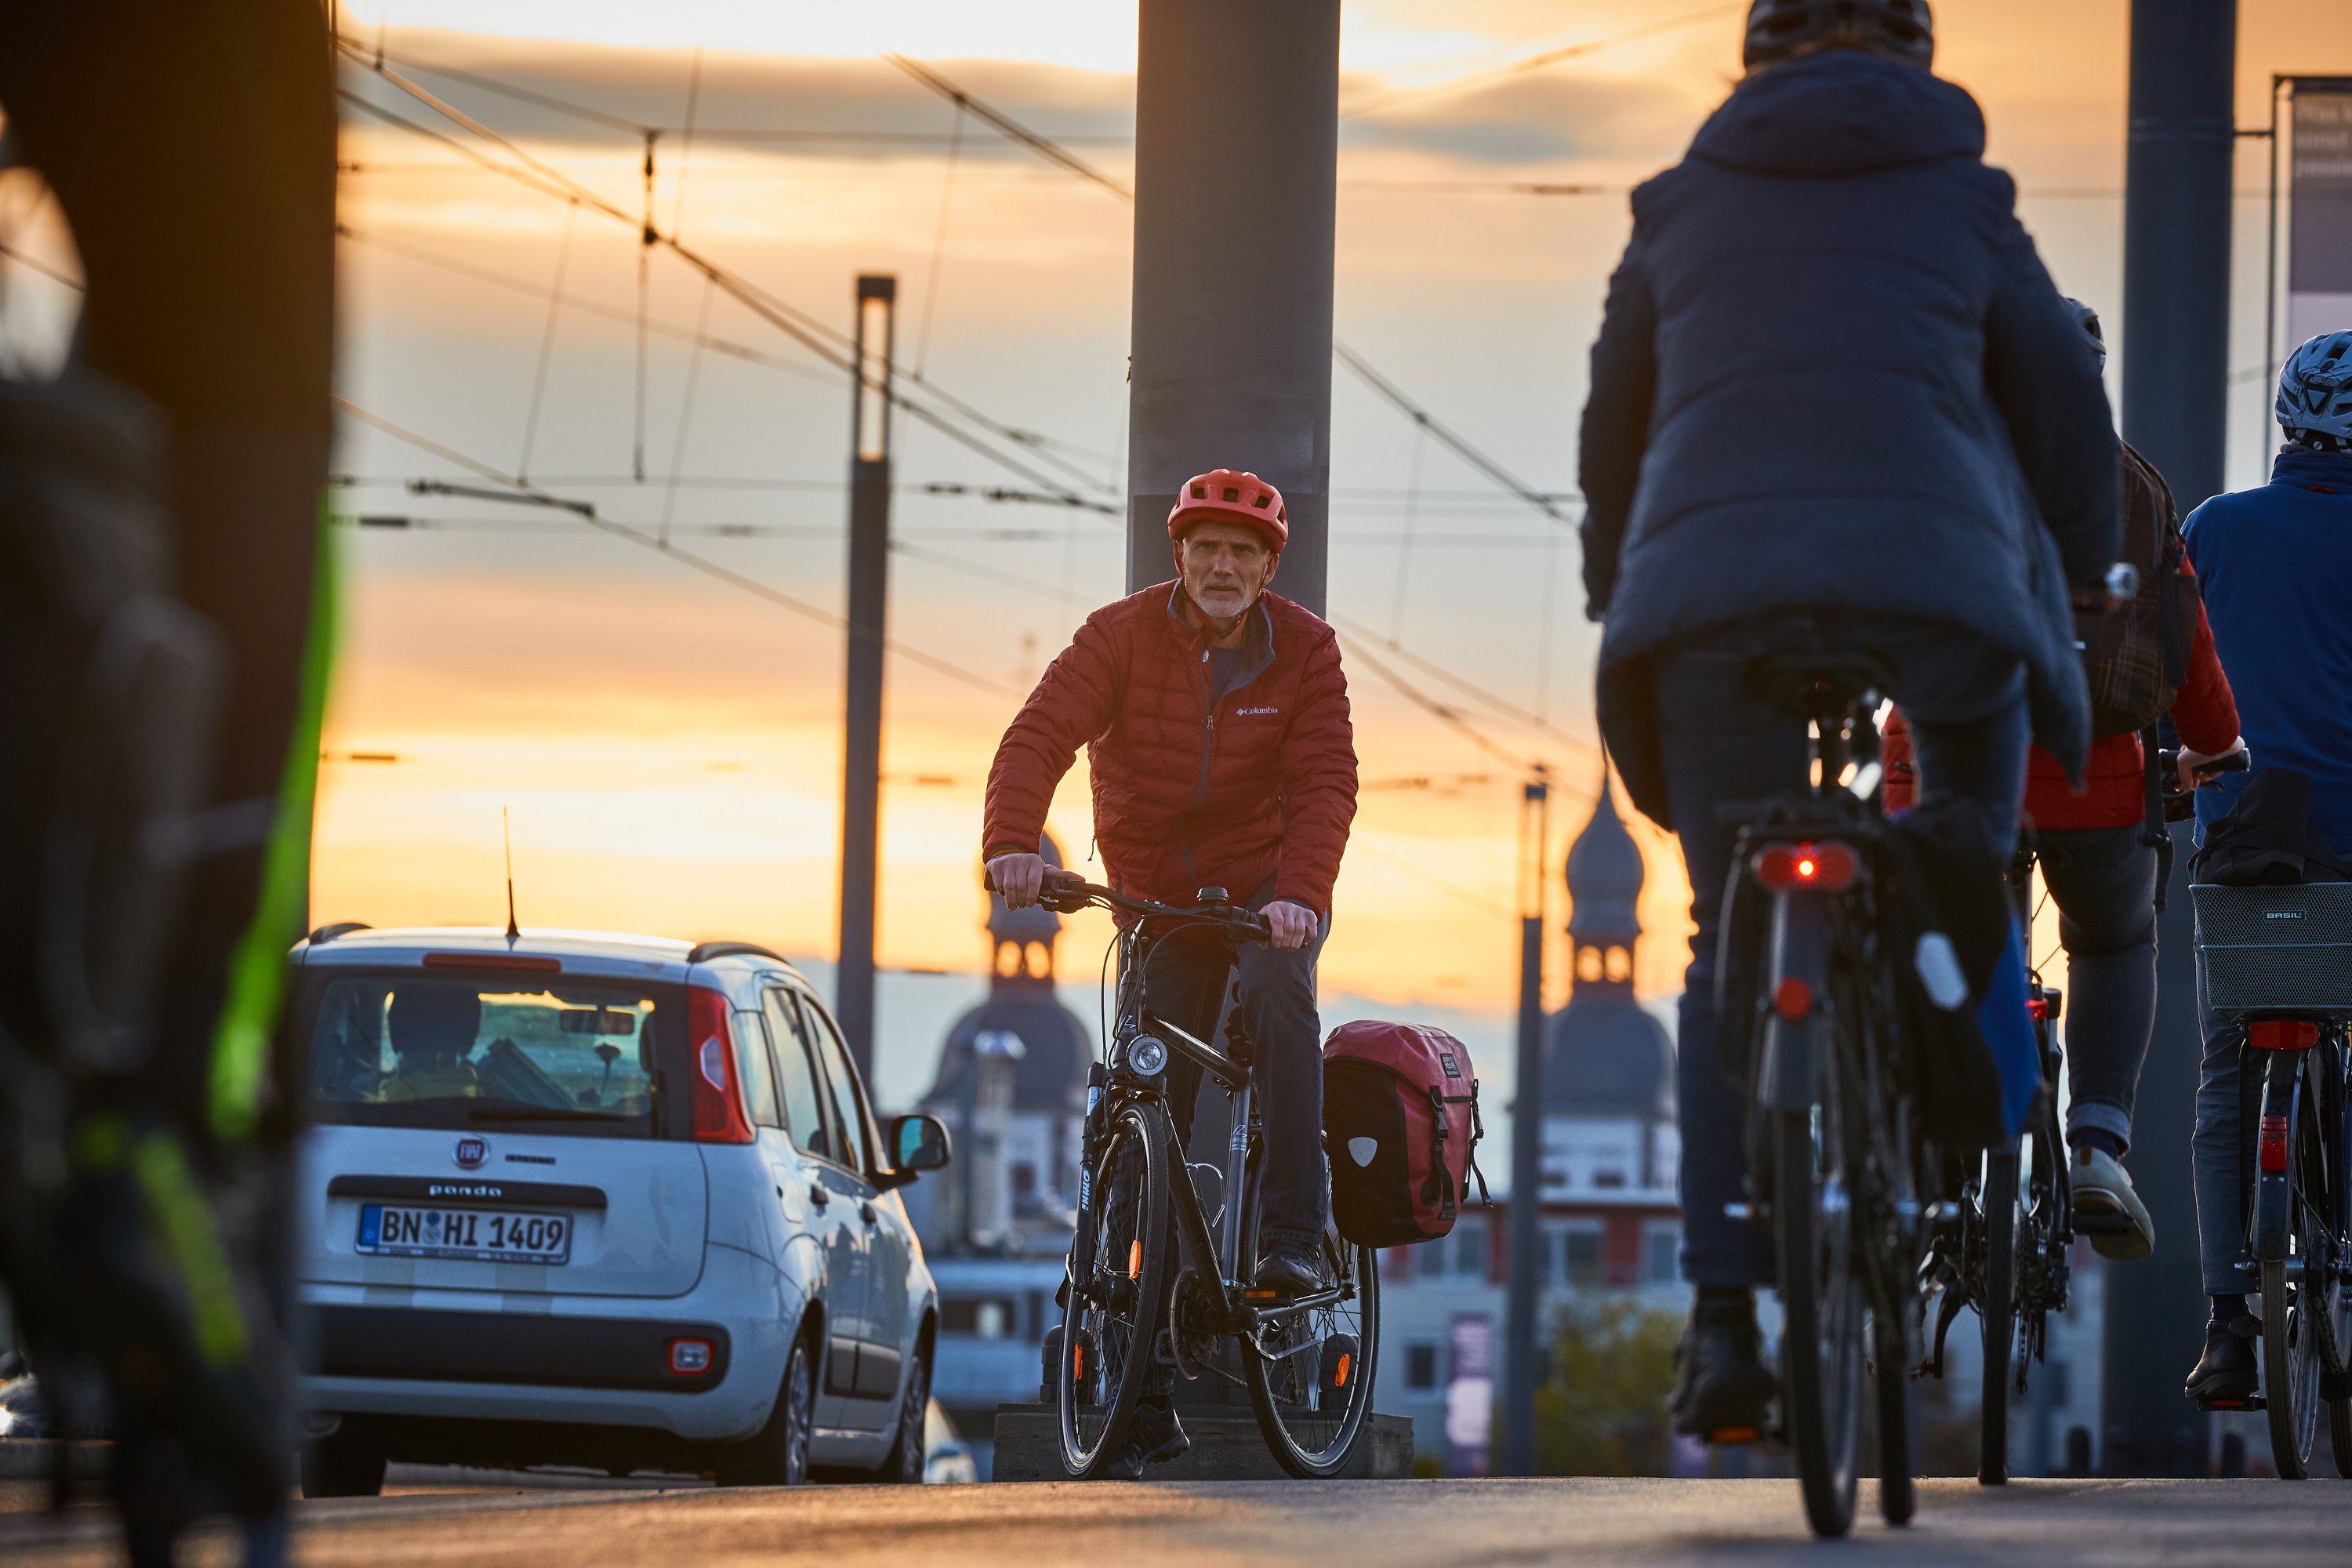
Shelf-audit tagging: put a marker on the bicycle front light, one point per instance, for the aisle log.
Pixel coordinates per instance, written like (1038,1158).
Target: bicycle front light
(1148,1055)
(1827,866)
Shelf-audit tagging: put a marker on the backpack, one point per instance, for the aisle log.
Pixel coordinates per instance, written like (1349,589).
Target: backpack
(1399,1121)
(2137,658)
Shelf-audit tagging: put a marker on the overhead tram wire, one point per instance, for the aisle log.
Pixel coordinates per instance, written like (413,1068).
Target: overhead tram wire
(1536,62)
(587,514)
(803,329)
(1045,148)
(1436,671)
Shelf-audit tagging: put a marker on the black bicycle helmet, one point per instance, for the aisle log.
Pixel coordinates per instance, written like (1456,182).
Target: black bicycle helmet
(1901,29)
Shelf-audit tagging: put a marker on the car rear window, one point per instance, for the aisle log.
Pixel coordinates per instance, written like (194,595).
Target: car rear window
(451,1049)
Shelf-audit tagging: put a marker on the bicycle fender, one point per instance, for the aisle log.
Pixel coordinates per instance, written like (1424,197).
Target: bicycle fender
(2282,1096)
(1799,935)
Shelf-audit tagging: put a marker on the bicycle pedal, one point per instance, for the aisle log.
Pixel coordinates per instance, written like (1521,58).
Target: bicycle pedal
(2251,1402)
(2087,1223)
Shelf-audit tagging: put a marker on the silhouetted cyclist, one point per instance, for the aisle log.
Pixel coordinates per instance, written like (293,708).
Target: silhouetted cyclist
(1837,404)
(162,662)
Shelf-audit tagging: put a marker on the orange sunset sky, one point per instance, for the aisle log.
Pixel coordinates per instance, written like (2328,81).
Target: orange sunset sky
(667,743)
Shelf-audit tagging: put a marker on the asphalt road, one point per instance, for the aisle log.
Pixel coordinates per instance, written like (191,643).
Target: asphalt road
(1361,1524)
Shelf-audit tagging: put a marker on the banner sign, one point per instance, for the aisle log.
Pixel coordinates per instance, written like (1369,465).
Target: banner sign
(1470,1395)
(2319,239)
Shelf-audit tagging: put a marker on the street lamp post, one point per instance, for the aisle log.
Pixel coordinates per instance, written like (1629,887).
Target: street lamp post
(869,567)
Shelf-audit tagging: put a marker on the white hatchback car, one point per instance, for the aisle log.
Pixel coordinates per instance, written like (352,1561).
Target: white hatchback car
(612,1201)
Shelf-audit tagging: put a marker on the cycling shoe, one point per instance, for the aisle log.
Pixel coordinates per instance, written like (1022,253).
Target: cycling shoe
(1726,1392)
(1288,1275)
(1154,1436)
(2230,1367)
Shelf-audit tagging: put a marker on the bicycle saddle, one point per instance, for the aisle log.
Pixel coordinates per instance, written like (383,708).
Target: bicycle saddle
(1812,683)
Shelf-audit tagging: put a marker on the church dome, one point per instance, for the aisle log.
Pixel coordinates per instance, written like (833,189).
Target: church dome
(1606,1056)
(1056,1048)
(1604,875)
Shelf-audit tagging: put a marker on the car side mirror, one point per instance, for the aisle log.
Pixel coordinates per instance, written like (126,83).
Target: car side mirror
(919,1143)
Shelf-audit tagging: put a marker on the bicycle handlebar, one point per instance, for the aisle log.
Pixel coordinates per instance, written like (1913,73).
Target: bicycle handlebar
(2168,762)
(1065,892)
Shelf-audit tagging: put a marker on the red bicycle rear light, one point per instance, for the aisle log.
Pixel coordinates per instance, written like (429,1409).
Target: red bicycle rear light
(2282,1034)
(689,1358)
(717,1100)
(1828,866)
(2273,1143)
(1792,999)
(2037,1008)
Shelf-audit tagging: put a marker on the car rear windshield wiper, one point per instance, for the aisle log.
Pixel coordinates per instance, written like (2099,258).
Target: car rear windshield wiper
(514,1113)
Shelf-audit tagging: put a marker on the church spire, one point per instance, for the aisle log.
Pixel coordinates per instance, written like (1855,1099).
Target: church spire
(1604,888)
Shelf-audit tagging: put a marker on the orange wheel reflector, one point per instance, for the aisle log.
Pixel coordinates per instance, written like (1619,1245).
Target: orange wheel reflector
(1135,1259)
(1733,1434)
(1339,1376)
(1078,1360)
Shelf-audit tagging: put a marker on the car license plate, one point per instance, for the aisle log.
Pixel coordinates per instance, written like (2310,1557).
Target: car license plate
(485,1235)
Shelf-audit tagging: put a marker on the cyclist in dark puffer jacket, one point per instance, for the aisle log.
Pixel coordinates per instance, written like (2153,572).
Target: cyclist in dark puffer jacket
(1836,403)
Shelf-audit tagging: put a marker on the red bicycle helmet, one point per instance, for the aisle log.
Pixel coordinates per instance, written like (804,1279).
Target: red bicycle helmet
(1222,495)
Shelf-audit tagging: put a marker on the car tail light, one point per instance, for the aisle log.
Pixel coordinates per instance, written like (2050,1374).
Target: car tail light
(1828,866)
(2283,1035)
(689,1358)
(718,1101)
(2274,1143)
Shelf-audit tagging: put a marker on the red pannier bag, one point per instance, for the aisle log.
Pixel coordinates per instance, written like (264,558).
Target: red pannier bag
(1400,1123)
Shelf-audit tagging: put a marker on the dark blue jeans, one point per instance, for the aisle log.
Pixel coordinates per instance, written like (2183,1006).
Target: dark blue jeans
(1720,744)
(2103,880)
(1184,983)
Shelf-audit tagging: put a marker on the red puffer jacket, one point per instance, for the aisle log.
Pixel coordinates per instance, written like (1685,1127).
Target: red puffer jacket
(1264,786)
(2115,780)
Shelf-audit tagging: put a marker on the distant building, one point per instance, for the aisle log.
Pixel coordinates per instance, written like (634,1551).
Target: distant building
(1612,1219)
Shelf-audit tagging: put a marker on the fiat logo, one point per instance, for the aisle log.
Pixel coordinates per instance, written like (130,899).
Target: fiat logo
(472,1152)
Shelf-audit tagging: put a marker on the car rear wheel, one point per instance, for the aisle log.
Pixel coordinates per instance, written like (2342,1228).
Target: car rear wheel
(904,1467)
(779,1455)
(343,1464)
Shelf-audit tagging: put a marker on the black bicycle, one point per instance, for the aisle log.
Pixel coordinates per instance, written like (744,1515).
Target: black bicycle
(2018,1213)
(2274,974)
(1310,1362)
(1834,1155)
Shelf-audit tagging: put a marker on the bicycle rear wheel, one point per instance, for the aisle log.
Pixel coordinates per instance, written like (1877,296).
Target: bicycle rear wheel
(1996,1312)
(1311,1374)
(1108,1331)
(1821,1302)
(2303,1317)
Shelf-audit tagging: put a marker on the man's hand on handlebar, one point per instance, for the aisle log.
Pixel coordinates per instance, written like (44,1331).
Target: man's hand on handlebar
(2198,768)
(1294,925)
(1018,878)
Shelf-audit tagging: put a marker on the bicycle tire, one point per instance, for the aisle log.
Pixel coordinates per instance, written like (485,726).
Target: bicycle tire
(1997,1314)
(1898,1498)
(1116,1318)
(1312,1387)
(1821,1303)
(2290,1376)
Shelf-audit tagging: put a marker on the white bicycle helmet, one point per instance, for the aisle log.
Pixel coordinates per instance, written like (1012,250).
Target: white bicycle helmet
(2315,393)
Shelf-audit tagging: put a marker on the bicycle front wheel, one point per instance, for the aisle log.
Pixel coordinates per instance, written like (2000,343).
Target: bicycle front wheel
(1821,1305)
(1996,1312)
(1113,1313)
(1897,1498)
(1311,1372)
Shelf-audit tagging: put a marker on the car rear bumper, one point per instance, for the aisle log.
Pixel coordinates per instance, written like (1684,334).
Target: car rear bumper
(566,1359)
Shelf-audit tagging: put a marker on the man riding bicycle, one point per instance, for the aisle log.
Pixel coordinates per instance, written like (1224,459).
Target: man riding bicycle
(2276,566)
(1837,404)
(1215,716)
(2100,867)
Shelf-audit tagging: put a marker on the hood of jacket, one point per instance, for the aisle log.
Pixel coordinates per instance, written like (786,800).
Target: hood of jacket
(1840,113)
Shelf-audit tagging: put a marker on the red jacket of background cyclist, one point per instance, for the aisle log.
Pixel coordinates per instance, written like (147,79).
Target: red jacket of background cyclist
(1262,785)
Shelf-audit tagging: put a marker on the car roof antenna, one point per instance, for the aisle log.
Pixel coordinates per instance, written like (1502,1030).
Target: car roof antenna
(505,830)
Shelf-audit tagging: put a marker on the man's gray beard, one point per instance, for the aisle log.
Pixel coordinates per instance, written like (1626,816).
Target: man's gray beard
(1218,610)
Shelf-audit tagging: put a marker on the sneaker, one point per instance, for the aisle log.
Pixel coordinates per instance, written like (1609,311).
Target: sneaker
(2230,1370)
(1288,1275)
(2102,1190)
(1154,1436)
(1726,1392)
